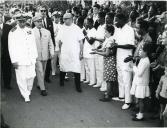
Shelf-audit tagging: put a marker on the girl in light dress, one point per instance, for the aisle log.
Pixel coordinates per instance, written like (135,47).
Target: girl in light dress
(140,85)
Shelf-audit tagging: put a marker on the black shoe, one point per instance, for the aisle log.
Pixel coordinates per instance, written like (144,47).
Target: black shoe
(136,119)
(44,93)
(8,87)
(61,83)
(79,90)
(105,99)
(48,80)
(4,125)
(38,87)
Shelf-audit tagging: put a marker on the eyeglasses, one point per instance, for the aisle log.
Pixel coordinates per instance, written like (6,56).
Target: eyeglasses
(43,10)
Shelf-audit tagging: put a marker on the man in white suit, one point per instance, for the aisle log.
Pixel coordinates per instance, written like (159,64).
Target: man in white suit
(23,54)
(45,50)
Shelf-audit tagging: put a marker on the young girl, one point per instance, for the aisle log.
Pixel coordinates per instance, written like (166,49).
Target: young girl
(110,75)
(140,85)
(161,93)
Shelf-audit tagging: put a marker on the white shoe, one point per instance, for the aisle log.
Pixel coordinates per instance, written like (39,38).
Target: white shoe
(118,99)
(102,89)
(86,82)
(53,73)
(91,84)
(139,116)
(125,106)
(97,86)
(27,99)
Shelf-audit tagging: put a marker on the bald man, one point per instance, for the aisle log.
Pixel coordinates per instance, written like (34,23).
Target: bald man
(71,50)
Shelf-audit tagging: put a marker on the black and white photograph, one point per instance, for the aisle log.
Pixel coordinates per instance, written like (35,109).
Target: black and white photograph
(83,63)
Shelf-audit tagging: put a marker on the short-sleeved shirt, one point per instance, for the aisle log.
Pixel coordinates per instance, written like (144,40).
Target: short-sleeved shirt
(88,47)
(124,36)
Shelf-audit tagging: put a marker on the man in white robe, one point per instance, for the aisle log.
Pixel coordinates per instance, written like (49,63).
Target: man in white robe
(23,54)
(71,50)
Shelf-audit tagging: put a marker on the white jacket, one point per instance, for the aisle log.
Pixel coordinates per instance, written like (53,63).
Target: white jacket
(22,46)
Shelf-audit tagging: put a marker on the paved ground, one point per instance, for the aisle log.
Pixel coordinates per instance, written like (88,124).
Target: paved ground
(64,107)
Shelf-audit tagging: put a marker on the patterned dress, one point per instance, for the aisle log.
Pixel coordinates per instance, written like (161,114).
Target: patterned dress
(110,71)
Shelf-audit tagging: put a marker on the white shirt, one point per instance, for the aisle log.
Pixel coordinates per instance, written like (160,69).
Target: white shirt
(88,47)
(22,46)
(100,34)
(123,36)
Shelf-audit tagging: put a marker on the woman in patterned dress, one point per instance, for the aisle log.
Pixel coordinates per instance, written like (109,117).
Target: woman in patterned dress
(110,75)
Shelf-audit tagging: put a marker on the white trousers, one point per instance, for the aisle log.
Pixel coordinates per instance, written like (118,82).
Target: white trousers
(99,67)
(90,70)
(54,62)
(125,82)
(25,79)
(40,71)
(83,71)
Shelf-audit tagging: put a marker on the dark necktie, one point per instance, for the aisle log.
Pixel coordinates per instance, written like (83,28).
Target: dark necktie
(44,23)
(40,33)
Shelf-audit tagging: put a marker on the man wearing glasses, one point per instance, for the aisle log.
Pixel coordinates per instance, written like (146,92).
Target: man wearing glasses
(47,24)
(23,54)
(70,39)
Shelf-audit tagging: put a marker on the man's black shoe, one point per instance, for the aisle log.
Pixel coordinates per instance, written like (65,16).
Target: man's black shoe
(44,93)
(4,125)
(8,87)
(48,80)
(38,87)
(105,99)
(79,90)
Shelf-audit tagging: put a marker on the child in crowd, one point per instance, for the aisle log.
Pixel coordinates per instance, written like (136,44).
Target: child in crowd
(140,85)
(161,93)
(109,54)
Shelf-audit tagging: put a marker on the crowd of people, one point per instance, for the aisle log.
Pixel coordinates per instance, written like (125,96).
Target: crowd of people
(123,53)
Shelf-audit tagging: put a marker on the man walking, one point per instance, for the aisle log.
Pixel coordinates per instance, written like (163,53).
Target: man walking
(71,50)
(23,54)
(44,47)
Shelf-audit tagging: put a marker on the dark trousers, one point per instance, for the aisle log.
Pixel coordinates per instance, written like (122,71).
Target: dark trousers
(48,69)
(156,75)
(77,79)
(6,71)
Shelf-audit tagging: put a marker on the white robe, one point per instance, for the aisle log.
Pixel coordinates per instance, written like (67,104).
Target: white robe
(70,49)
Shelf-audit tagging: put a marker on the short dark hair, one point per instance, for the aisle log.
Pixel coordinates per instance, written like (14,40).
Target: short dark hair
(90,20)
(143,23)
(102,14)
(97,6)
(110,14)
(121,16)
(110,29)
(147,48)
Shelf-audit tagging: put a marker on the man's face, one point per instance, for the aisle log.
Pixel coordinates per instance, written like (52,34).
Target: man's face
(38,24)
(43,12)
(57,19)
(100,20)
(22,23)
(68,21)
(1,18)
(117,22)
(138,29)
(95,10)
